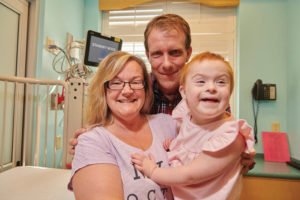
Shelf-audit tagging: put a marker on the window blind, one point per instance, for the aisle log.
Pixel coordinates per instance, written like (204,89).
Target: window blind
(212,29)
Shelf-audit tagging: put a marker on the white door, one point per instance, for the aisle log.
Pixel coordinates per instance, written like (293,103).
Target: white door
(13,39)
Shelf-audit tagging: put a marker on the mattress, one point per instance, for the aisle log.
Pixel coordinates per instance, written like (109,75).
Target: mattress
(35,183)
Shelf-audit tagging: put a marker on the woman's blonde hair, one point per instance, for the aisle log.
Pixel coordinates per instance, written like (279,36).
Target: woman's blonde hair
(97,111)
(207,56)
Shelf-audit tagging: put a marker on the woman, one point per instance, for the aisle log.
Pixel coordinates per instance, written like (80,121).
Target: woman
(119,97)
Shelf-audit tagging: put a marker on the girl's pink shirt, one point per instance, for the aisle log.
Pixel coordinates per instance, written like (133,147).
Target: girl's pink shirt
(193,139)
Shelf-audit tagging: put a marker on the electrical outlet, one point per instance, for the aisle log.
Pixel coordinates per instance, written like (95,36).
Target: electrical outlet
(275,127)
(58,142)
(50,42)
(69,43)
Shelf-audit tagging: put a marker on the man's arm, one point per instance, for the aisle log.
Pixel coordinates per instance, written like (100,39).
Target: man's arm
(247,161)
(73,141)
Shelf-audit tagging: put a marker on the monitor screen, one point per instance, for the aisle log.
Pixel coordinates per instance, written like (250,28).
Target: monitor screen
(98,46)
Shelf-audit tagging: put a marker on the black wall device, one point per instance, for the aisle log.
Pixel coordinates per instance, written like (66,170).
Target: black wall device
(98,46)
(264,91)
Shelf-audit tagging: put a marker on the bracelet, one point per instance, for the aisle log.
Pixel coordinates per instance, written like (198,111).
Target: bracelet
(152,171)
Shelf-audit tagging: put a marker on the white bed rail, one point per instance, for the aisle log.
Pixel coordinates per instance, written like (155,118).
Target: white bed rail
(29,120)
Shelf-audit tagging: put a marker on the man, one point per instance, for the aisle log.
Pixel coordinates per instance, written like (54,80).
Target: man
(168,48)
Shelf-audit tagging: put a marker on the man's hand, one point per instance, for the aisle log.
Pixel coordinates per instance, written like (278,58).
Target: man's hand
(73,141)
(247,162)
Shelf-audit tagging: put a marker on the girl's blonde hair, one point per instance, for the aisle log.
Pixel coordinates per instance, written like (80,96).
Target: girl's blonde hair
(97,111)
(207,56)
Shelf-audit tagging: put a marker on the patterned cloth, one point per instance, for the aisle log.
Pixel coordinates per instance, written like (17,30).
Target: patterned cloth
(161,103)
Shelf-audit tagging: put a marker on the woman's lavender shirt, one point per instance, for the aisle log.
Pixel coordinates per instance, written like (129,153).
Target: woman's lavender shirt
(99,146)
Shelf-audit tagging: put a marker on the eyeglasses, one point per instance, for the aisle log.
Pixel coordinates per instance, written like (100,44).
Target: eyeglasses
(119,85)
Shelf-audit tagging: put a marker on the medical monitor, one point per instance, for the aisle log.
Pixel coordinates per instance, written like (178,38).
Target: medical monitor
(98,46)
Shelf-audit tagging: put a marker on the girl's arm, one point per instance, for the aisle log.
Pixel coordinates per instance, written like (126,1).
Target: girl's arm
(206,166)
(98,181)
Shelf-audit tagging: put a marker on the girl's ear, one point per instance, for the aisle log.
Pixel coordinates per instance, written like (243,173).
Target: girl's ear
(182,91)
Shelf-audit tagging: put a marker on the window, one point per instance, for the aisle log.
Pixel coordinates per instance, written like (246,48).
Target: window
(213,29)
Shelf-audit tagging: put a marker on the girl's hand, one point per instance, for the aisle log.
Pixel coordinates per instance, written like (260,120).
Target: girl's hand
(145,164)
(166,144)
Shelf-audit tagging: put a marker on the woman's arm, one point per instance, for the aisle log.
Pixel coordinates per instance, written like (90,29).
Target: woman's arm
(98,181)
(206,166)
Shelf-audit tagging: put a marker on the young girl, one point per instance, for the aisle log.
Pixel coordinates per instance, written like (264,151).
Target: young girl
(205,156)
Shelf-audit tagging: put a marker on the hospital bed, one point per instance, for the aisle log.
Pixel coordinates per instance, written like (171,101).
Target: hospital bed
(34,131)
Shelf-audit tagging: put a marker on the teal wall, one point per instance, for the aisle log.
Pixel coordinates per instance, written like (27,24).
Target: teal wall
(269,46)
(293,80)
(263,54)
(57,18)
(92,17)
